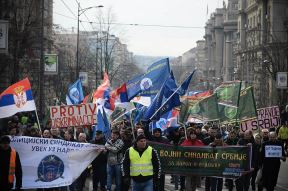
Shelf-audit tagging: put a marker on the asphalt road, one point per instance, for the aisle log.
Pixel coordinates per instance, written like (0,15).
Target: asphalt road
(282,184)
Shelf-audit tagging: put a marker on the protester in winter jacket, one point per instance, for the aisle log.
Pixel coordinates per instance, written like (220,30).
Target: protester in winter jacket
(243,182)
(114,147)
(192,140)
(217,183)
(231,140)
(10,166)
(271,161)
(141,162)
(99,164)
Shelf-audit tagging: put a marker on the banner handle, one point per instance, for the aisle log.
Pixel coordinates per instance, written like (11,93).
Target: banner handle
(39,127)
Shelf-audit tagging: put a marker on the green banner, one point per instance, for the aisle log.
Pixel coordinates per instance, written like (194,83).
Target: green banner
(247,108)
(204,161)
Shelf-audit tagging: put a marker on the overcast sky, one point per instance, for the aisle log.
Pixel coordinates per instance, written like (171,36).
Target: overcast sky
(189,17)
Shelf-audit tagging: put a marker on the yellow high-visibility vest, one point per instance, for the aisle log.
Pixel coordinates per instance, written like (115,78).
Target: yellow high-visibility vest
(141,165)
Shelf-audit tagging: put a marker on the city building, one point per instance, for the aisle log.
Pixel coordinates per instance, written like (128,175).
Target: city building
(29,38)
(262,47)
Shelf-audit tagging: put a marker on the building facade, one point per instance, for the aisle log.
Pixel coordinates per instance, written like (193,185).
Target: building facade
(262,47)
(29,37)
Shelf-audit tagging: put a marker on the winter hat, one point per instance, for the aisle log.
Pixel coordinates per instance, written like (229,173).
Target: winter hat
(5,139)
(139,137)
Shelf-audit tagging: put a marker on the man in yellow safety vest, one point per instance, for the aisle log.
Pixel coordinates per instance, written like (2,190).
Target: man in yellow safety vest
(10,166)
(141,162)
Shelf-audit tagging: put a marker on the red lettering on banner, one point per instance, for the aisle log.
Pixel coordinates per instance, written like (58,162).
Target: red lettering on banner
(62,111)
(54,110)
(74,121)
(73,115)
(71,110)
(93,109)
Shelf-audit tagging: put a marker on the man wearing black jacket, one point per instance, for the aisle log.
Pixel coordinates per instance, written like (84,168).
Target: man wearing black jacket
(99,164)
(10,164)
(271,153)
(141,162)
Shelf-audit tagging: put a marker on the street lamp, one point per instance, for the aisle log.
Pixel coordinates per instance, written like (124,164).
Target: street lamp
(80,12)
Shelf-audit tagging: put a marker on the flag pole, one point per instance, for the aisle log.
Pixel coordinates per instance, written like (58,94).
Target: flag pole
(38,122)
(121,116)
(165,102)
(132,125)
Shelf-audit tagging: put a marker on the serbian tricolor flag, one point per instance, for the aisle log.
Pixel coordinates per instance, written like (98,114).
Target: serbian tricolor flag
(17,98)
(101,95)
(120,94)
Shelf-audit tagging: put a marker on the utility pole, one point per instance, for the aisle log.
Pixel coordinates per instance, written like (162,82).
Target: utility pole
(41,68)
(77,46)
(80,12)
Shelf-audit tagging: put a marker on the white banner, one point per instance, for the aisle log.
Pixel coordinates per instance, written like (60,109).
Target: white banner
(73,115)
(52,162)
(273,151)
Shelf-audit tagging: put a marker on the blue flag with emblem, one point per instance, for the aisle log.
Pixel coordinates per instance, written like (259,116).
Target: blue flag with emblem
(75,93)
(165,100)
(149,83)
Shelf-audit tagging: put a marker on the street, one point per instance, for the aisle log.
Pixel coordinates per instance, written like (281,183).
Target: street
(282,184)
(282,178)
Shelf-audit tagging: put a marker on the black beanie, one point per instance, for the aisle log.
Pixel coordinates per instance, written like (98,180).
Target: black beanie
(5,139)
(139,137)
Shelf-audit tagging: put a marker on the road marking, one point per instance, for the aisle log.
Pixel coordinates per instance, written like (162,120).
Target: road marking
(279,186)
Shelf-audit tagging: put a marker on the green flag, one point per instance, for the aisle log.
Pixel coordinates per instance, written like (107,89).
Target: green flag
(183,114)
(209,108)
(247,108)
(228,94)
(204,108)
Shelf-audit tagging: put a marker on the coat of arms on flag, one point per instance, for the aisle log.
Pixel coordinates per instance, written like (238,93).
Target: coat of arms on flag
(17,98)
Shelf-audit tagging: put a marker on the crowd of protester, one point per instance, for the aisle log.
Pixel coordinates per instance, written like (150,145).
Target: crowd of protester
(106,168)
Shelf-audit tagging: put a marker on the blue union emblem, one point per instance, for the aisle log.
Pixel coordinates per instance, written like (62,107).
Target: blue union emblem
(50,168)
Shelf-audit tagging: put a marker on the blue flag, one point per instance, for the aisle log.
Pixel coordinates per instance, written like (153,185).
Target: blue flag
(102,125)
(148,84)
(165,100)
(184,86)
(132,86)
(106,122)
(155,105)
(171,98)
(162,123)
(75,93)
